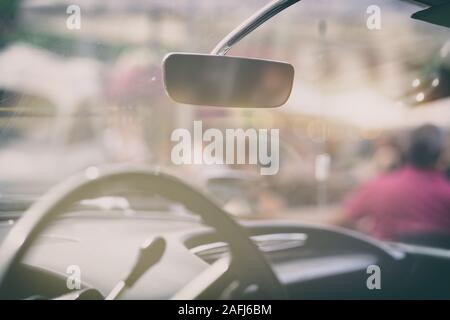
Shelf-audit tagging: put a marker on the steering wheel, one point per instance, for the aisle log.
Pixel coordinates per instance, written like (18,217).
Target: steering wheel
(245,257)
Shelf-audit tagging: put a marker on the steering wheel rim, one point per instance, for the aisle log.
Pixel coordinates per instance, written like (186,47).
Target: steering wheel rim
(81,186)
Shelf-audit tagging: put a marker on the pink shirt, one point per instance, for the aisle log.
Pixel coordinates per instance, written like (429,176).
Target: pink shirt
(404,202)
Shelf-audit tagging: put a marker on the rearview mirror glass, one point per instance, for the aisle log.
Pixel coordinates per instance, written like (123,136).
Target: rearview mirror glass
(224,81)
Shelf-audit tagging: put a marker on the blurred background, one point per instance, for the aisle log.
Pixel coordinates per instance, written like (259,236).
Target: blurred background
(73,99)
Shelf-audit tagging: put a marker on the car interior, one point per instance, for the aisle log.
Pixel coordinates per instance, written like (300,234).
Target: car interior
(89,208)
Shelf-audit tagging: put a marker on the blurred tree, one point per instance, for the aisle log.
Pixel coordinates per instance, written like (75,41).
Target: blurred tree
(9,10)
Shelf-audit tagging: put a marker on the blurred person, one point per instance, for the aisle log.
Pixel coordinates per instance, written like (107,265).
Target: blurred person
(445,158)
(131,89)
(410,204)
(387,155)
(382,155)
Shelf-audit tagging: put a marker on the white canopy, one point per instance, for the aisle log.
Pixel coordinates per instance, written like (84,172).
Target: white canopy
(366,108)
(64,82)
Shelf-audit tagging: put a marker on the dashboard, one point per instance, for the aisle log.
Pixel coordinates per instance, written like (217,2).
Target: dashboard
(309,263)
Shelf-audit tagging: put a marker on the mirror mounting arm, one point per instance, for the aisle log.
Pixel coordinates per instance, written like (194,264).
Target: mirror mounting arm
(253,22)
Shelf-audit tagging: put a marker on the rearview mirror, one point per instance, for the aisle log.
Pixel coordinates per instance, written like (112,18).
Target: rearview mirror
(224,81)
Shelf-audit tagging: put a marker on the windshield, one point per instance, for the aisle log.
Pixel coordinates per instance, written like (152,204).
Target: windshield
(81,86)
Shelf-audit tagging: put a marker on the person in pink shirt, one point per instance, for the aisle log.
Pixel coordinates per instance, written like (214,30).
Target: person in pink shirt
(410,204)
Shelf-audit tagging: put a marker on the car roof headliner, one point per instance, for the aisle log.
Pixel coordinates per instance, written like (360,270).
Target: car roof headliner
(432,2)
(438,12)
